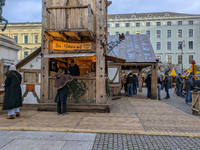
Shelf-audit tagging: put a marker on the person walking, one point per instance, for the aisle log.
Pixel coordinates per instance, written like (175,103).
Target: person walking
(179,84)
(194,80)
(130,82)
(167,85)
(13,94)
(62,91)
(148,85)
(135,84)
(189,86)
(162,85)
(159,82)
(198,82)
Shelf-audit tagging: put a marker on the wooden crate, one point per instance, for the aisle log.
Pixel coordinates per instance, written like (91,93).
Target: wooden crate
(195,102)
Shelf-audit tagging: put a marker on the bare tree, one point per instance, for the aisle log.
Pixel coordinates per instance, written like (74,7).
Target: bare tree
(167,67)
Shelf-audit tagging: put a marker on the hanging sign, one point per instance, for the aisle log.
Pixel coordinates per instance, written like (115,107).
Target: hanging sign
(64,46)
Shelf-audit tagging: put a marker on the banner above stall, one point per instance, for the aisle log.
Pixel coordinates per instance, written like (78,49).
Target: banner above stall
(63,46)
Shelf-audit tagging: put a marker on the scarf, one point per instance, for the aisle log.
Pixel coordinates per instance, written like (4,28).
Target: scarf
(62,80)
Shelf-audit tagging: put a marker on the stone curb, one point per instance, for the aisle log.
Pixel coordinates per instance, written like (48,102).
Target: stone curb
(100,131)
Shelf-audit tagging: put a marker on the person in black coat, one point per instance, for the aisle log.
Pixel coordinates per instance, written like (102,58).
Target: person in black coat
(13,94)
(74,69)
(62,91)
(130,81)
(135,84)
(148,85)
(167,85)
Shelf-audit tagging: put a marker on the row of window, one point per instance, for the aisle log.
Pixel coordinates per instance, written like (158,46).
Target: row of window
(158,33)
(169,45)
(148,24)
(25,39)
(179,59)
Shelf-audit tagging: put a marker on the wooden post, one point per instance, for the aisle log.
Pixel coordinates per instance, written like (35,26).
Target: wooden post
(153,82)
(1,72)
(101,24)
(140,80)
(45,62)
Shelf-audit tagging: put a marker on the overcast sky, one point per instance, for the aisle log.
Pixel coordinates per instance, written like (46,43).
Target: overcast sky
(31,10)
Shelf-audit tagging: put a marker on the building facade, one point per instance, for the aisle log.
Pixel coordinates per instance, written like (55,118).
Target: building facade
(26,35)
(8,50)
(175,37)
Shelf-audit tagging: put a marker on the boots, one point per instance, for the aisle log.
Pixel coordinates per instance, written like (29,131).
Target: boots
(17,114)
(11,117)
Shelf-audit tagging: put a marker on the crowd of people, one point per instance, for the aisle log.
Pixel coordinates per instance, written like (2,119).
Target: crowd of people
(187,85)
(130,84)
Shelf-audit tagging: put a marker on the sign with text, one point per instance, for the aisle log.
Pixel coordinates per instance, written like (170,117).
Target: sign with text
(64,46)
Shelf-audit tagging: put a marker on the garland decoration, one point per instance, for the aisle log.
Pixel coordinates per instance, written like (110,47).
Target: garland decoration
(77,89)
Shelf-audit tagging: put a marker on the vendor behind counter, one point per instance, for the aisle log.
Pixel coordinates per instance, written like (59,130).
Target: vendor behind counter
(74,69)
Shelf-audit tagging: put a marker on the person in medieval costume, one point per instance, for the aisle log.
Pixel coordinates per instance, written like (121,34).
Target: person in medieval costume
(62,91)
(13,94)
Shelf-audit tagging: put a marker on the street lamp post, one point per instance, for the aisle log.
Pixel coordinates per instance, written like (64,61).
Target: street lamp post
(182,45)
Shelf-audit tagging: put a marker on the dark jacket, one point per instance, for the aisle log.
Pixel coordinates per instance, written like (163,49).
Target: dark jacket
(74,70)
(189,85)
(198,83)
(179,81)
(130,80)
(159,81)
(13,94)
(148,82)
(135,79)
(167,81)
(194,82)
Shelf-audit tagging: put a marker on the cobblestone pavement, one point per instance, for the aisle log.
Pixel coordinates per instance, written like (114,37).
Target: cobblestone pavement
(144,142)
(176,101)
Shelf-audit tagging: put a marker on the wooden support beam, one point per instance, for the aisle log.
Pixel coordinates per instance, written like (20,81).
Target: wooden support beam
(140,80)
(91,36)
(154,90)
(109,3)
(101,23)
(132,64)
(78,36)
(48,35)
(1,72)
(64,36)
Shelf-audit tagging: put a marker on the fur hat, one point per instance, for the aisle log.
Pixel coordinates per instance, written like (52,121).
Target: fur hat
(12,67)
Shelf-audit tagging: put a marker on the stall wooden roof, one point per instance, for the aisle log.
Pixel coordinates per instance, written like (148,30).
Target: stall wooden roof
(29,58)
(134,49)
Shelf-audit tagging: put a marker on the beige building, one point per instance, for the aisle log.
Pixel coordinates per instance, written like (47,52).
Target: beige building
(27,35)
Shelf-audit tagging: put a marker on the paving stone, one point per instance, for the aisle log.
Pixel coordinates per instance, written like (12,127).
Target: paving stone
(34,135)
(78,145)
(36,145)
(3,132)
(146,142)
(79,137)
(4,141)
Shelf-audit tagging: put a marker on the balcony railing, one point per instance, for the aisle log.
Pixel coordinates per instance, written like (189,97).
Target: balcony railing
(70,17)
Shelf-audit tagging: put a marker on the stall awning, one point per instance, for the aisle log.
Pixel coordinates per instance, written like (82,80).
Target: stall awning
(68,55)
(174,72)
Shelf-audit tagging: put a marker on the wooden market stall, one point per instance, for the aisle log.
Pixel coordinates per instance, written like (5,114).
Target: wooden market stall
(74,30)
(139,54)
